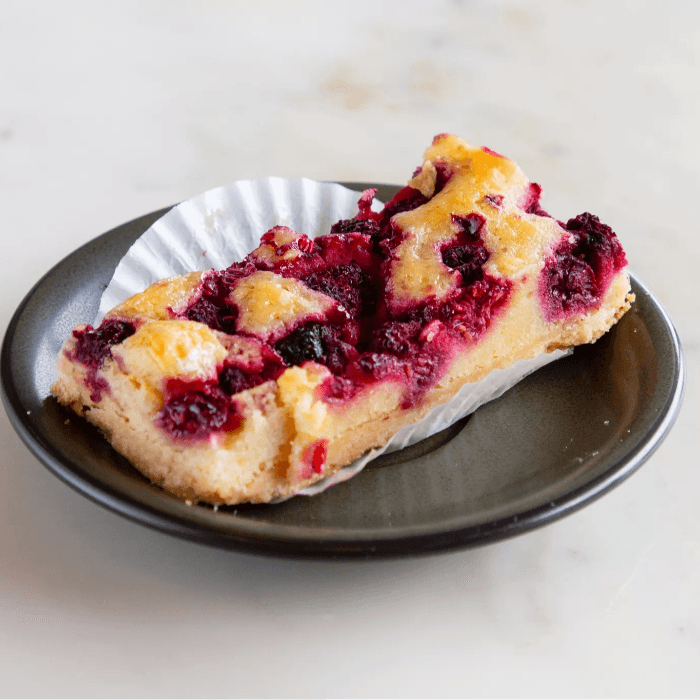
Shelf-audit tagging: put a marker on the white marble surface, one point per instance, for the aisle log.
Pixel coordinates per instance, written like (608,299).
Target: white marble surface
(111,110)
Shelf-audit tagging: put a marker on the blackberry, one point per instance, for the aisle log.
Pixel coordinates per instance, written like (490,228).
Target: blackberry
(303,344)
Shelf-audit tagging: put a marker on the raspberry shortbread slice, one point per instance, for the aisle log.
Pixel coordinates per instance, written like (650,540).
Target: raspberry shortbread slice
(251,383)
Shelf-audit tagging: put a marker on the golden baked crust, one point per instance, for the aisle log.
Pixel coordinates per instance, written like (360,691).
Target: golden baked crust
(252,383)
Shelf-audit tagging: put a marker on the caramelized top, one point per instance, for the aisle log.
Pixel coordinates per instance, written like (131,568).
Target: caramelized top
(481,182)
(159,298)
(269,304)
(172,349)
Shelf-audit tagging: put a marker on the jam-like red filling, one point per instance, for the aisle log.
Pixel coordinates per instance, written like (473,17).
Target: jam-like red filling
(314,458)
(362,341)
(236,376)
(578,273)
(195,410)
(467,252)
(198,408)
(94,345)
(211,307)
(348,285)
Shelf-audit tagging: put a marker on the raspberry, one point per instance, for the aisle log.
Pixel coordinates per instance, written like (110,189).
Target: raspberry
(347,284)
(339,389)
(196,413)
(315,457)
(571,283)
(424,371)
(375,366)
(577,274)
(468,259)
(596,242)
(211,307)
(407,199)
(395,338)
(93,345)
(365,226)
(337,352)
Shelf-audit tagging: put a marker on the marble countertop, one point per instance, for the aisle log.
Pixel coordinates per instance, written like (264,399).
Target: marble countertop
(110,111)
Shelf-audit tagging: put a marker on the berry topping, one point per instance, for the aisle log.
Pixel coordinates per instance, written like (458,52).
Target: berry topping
(396,338)
(196,410)
(347,284)
(578,274)
(318,343)
(212,307)
(365,226)
(373,342)
(93,345)
(234,378)
(365,334)
(468,259)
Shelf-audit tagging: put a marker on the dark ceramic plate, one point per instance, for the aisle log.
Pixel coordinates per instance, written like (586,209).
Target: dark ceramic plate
(558,440)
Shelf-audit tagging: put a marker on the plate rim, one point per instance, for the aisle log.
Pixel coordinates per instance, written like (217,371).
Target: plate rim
(338,544)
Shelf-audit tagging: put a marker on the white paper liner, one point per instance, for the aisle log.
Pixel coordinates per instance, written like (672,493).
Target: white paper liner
(223,225)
